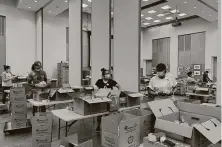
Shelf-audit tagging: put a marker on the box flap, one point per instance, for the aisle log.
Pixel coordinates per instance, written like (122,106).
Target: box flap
(92,100)
(211,129)
(103,93)
(136,95)
(65,90)
(163,107)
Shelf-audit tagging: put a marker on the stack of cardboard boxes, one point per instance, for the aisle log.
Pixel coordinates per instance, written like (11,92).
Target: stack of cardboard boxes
(63,73)
(19,107)
(75,141)
(42,130)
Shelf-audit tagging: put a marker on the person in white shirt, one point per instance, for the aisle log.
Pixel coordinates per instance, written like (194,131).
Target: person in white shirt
(7,78)
(191,82)
(163,84)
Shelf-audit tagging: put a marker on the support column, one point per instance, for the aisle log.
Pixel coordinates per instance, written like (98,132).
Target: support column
(218,96)
(75,42)
(100,52)
(127,44)
(39,35)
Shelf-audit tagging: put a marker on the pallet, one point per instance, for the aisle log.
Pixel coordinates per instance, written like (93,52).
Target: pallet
(9,130)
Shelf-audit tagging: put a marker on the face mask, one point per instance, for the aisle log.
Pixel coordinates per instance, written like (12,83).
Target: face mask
(161,75)
(37,70)
(107,76)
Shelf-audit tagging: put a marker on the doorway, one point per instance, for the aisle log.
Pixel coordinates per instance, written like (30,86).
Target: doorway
(214,70)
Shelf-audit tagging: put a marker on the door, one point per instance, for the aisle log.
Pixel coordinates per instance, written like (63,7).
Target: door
(214,62)
(148,67)
(2,45)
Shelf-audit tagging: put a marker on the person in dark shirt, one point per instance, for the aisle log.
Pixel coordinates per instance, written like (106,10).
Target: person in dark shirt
(105,83)
(206,78)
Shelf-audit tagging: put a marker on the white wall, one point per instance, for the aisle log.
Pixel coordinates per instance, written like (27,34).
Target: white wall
(20,37)
(190,26)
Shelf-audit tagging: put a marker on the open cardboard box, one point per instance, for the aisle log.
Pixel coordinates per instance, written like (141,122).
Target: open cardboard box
(114,97)
(120,130)
(132,98)
(90,105)
(74,141)
(166,113)
(147,121)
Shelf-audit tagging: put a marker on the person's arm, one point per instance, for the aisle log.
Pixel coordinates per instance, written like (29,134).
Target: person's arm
(5,78)
(118,86)
(45,77)
(152,92)
(30,79)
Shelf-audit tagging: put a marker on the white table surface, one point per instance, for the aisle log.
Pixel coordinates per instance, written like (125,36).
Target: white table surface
(37,103)
(21,78)
(128,108)
(68,115)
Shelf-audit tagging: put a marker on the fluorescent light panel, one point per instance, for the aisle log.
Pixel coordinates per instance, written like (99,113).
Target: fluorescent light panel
(156,21)
(89,0)
(166,7)
(182,14)
(148,18)
(160,15)
(174,11)
(152,11)
(84,5)
(146,23)
(168,18)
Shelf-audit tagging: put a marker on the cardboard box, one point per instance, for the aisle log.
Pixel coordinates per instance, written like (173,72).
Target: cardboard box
(39,95)
(200,109)
(166,113)
(41,130)
(41,141)
(43,119)
(147,121)
(132,98)
(202,90)
(64,94)
(19,106)
(17,92)
(89,105)
(74,141)
(18,121)
(120,130)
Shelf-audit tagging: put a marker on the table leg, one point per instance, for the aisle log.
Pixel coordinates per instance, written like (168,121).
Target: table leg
(59,129)
(66,129)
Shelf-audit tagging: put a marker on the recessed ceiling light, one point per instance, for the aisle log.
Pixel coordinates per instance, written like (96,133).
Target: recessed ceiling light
(89,0)
(185,2)
(152,11)
(35,1)
(145,0)
(146,23)
(160,15)
(112,13)
(142,15)
(166,7)
(29,7)
(203,11)
(209,15)
(194,7)
(148,18)
(169,18)
(182,14)
(84,5)
(50,11)
(66,1)
(174,11)
(156,21)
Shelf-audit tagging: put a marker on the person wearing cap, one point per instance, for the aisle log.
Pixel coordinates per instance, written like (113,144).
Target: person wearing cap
(163,84)
(37,75)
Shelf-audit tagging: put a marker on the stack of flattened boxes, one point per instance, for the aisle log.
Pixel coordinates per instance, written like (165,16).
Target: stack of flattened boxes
(42,130)
(63,73)
(19,107)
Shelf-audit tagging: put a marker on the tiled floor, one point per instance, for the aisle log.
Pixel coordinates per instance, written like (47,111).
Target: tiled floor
(84,128)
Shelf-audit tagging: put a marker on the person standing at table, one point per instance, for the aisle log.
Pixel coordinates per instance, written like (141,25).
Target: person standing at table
(7,78)
(206,78)
(35,77)
(105,83)
(191,82)
(163,84)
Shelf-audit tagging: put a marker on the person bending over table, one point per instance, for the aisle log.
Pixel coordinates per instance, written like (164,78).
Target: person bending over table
(37,79)
(105,83)
(163,84)
(7,78)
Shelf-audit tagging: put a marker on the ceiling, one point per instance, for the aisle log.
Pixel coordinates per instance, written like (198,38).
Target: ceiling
(152,15)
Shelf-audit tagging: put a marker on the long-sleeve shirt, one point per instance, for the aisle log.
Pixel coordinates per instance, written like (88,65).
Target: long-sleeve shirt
(6,79)
(37,77)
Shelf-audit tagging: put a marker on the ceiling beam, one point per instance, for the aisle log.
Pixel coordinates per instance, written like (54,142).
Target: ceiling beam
(153,4)
(206,4)
(169,22)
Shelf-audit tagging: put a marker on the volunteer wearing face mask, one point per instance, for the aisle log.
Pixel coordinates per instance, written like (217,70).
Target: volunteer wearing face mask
(163,84)
(105,83)
(37,75)
(7,78)
(191,82)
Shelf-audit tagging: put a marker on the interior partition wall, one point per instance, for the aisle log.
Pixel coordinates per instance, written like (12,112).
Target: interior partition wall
(191,52)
